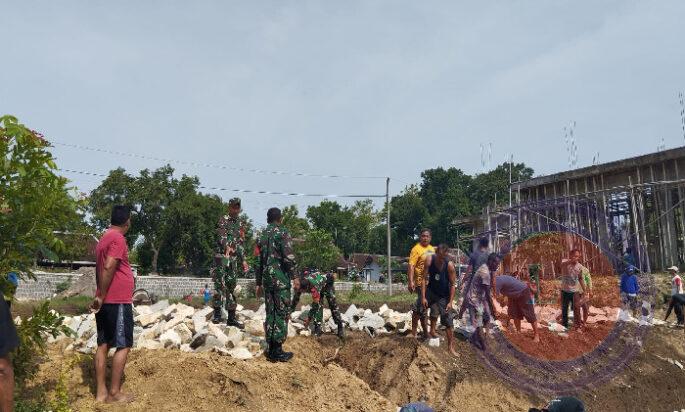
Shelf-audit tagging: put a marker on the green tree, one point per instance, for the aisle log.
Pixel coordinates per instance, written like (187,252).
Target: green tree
(447,194)
(334,219)
(350,226)
(148,194)
(296,225)
(191,240)
(408,215)
(173,226)
(317,251)
(495,183)
(363,221)
(34,200)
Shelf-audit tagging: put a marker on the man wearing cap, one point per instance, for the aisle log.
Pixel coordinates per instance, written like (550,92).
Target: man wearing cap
(630,287)
(676,281)
(275,274)
(229,262)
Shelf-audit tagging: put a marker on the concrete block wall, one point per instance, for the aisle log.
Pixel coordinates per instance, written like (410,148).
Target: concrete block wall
(45,285)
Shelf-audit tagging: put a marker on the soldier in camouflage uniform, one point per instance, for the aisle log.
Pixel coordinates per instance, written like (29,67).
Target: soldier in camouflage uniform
(229,262)
(320,286)
(275,270)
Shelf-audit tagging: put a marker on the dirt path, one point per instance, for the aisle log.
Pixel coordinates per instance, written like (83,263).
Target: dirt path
(367,375)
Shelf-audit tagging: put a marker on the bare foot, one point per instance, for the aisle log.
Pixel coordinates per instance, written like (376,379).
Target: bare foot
(120,397)
(536,339)
(101,397)
(453,352)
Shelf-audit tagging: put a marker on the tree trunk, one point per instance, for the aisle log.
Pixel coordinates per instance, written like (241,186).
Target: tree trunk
(155,255)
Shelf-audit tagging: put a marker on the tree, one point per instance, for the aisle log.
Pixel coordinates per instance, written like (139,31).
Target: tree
(363,221)
(332,218)
(174,225)
(149,195)
(408,215)
(486,186)
(350,226)
(191,240)
(447,196)
(317,251)
(296,225)
(34,200)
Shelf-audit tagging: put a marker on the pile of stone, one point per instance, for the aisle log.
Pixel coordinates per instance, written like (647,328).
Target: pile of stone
(179,326)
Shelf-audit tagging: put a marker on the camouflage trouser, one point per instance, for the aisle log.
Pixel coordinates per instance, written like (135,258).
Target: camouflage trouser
(277,302)
(316,311)
(225,281)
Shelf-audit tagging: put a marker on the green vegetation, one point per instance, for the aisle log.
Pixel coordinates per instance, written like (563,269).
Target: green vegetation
(61,287)
(34,201)
(177,223)
(75,305)
(317,251)
(32,344)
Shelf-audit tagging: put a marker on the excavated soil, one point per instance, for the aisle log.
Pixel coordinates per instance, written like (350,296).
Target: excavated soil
(368,374)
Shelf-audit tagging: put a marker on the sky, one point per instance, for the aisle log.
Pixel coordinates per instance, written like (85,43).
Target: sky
(353,88)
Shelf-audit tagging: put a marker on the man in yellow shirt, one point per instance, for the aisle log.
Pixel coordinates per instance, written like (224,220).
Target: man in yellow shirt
(416,274)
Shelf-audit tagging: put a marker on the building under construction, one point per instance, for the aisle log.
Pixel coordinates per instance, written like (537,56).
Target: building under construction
(632,208)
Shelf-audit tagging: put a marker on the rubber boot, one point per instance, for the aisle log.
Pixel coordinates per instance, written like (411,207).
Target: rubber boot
(232,321)
(278,355)
(269,353)
(341,331)
(217,315)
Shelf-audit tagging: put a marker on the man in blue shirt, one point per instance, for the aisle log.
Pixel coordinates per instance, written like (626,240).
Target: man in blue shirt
(629,290)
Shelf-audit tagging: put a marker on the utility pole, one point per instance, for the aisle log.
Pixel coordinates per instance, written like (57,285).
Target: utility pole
(511,218)
(387,207)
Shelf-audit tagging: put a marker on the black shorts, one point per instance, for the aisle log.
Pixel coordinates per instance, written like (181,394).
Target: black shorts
(115,325)
(438,305)
(8,333)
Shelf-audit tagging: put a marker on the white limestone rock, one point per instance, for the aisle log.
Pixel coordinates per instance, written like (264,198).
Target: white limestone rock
(159,306)
(148,319)
(183,332)
(170,339)
(240,353)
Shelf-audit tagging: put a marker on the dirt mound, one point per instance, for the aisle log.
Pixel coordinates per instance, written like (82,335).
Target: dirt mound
(166,380)
(553,346)
(404,370)
(83,285)
(367,375)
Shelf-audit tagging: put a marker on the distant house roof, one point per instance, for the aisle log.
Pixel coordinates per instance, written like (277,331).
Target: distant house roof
(360,260)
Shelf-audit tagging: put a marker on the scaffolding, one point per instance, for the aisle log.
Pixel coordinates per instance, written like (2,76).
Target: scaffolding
(636,219)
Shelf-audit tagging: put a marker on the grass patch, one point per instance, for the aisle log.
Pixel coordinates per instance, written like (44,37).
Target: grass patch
(196,302)
(75,305)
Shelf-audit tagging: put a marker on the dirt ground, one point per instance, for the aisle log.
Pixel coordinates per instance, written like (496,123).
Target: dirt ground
(369,374)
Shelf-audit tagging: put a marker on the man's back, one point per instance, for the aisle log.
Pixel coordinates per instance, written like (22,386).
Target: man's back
(113,244)
(509,285)
(276,257)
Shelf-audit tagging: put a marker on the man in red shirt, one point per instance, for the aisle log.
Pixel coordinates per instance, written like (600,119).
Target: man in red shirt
(113,305)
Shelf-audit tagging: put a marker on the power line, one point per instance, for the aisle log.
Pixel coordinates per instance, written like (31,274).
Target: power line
(260,192)
(209,165)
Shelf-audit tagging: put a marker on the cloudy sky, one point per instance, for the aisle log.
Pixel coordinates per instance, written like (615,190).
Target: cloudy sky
(358,88)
